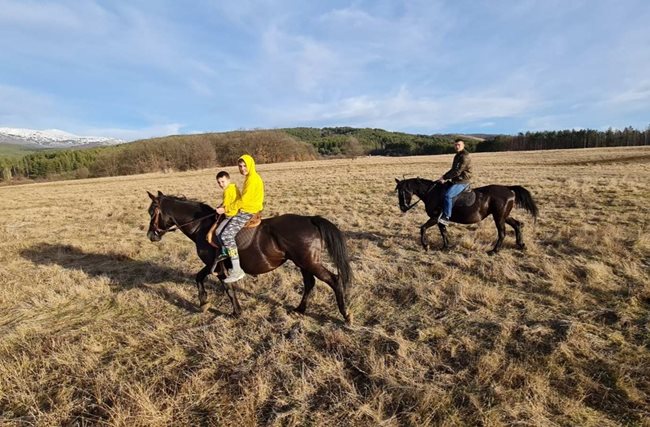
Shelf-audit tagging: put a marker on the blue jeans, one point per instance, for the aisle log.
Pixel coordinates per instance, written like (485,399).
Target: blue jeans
(453,191)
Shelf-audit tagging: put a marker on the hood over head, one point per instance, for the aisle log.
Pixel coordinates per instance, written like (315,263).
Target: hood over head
(250,163)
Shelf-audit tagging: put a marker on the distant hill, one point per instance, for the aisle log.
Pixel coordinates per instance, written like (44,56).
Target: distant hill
(188,152)
(51,138)
(13,150)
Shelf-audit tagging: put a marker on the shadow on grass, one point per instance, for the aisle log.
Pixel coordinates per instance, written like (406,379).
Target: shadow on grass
(127,273)
(378,237)
(123,271)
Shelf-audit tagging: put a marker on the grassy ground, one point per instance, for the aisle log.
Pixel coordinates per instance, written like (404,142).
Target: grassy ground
(100,326)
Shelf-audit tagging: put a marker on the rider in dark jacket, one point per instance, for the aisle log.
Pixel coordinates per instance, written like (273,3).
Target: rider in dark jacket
(459,176)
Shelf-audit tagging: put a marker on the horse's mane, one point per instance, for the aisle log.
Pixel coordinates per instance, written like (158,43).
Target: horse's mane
(204,207)
(423,180)
(420,181)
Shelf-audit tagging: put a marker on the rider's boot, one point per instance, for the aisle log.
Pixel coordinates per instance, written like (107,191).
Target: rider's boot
(236,273)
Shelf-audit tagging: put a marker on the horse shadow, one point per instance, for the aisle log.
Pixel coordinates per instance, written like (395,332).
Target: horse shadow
(125,273)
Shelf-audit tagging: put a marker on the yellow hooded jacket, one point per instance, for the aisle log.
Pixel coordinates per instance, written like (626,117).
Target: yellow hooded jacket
(252,195)
(231,199)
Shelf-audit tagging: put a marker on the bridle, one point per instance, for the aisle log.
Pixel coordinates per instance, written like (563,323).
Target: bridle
(412,205)
(156,220)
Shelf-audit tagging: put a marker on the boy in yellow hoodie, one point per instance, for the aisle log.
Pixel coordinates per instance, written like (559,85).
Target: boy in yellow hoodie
(250,203)
(228,207)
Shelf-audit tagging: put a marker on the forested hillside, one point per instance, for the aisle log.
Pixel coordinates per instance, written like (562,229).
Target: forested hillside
(185,152)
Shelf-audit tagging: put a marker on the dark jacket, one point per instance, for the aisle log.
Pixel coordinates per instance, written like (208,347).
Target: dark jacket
(461,169)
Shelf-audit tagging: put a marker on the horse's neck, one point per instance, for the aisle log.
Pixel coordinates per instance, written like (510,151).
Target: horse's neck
(423,189)
(183,214)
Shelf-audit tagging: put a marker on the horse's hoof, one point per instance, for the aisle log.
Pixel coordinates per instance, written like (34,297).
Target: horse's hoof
(492,252)
(426,248)
(348,319)
(205,306)
(296,312)
(522,247)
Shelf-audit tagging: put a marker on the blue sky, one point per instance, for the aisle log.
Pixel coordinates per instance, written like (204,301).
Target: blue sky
(138,69)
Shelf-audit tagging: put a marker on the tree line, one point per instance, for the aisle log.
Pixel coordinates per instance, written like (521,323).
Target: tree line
(187,152)
(551,140)
(172,153)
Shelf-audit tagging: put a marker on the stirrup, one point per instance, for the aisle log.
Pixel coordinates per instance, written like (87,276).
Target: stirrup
(219,258)
(222,256)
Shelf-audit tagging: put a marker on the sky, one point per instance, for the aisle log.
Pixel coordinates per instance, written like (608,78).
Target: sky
(146,68)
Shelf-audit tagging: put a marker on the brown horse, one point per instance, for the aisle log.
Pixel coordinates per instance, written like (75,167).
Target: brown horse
(470,207)
(286,237)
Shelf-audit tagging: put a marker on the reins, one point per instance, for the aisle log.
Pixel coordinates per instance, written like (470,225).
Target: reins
(176,226)
(412,205)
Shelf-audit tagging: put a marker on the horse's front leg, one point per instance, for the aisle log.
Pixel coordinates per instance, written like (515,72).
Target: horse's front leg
(445,237)
(203,295)
(423,232)
(230,290)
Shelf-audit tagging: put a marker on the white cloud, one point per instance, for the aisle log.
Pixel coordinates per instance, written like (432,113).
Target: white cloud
(403,110)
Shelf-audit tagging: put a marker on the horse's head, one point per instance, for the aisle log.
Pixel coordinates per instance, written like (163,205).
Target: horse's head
(160,222)
(404,194)
(406,188)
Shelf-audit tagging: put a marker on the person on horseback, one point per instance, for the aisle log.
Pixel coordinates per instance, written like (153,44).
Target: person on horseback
(250,203)
(459,176)
(228,208)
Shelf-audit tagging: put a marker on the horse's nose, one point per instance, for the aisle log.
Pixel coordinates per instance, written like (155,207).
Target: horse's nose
(154,237)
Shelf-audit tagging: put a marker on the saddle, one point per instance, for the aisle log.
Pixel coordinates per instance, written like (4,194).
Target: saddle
(466,198)
(244,236)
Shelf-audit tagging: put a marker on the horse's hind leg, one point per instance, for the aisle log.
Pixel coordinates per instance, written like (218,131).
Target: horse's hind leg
(331,279)
(203,295)
(517,225)
(309,281)
(501,231)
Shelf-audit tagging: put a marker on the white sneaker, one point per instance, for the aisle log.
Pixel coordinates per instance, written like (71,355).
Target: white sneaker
(235,275)
(442,219)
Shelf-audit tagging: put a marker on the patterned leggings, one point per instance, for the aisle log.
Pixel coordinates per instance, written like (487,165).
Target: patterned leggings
(231,229)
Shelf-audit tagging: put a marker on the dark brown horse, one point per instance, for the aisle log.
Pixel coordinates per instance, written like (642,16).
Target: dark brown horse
(286,237)
(469,208)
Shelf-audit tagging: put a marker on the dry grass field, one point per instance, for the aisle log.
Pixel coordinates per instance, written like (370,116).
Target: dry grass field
(99,326)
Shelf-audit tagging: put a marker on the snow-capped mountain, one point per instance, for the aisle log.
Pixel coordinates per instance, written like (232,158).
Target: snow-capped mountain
(51,138)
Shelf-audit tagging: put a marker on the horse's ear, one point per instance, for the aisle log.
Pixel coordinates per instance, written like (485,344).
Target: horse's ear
(397,180)
(160,193)
(151,196)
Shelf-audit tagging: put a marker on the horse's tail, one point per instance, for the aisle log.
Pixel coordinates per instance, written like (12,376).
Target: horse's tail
(524,200)
(335,242)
